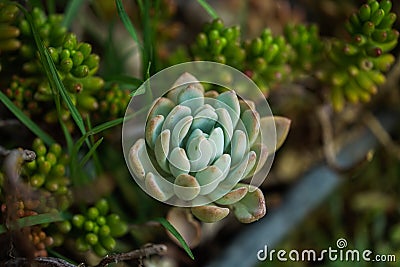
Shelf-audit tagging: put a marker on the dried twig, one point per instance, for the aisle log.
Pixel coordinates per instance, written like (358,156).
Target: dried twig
(157,249)
(381,134)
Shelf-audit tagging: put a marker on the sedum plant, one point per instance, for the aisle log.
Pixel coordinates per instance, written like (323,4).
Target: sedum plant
(352,70)
(198,148)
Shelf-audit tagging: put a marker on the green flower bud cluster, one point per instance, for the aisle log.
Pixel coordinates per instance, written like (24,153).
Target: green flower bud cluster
(113,101)
(360,63)
(263,59)
(8,32)
(220,44)
(266,59)
(307,47)
(48,172)
(98,228)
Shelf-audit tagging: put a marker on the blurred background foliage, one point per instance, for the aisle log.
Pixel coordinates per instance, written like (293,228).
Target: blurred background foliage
(365,209)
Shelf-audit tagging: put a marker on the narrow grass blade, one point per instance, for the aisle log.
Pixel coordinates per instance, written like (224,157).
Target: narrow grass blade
(47,139)
(35,220)
(51,72)
(126,21)
(208,8)
(91,152)
(167,225)
(71,11)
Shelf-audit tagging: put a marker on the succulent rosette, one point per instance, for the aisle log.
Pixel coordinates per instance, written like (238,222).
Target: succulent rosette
(199,146)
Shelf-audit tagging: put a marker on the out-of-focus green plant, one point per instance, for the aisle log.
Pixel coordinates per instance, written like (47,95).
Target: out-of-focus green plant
(97,229)
(76,65)
(351,70)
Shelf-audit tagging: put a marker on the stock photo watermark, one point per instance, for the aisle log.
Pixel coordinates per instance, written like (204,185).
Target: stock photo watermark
(338,253)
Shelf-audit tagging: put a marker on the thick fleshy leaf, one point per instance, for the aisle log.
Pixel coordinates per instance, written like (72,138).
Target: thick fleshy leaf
(158,187)
(205,119)
(178,162)
(251,122)
(161,149)
(238,147)
(209,179)
(162,106)
(186,225)
(180,131)
(281,125)
(177,113)
(139,159)
(199,152)
(153,130)
(229,101)
(226,124)
(246,105)
(252,159)
(186,187)
(251,207)
(237,193)
(237,173)
(211,94)
(181,83)
(210,213)
(217,140)
(223,163)
(191,97)
(262,155)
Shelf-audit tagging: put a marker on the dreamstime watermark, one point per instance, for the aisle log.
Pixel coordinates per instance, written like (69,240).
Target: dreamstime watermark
(339,253)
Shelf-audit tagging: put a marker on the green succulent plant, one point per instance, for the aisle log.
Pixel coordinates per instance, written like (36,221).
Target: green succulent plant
(199,146)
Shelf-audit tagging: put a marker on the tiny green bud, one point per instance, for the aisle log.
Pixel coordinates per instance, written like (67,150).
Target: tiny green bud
(217,24)
(44,167)
(104,230)
(368,28)
(56,149)
(91,238)
(87,102)
(92,213)
(65,53)
(51,185)
(202,40)
(387,21)
(70,41)
(81,244)
(100,250)
(85,49)
(378,16)
(365,12)
(81,71)
(88,226)
(108,242)
(101,220)
(102,206)
(117,227)
(213,35)
(64,226)
(58,170)
(77,58)
(66,65)
(50,157)
(37,180)
(92,61)
(54,54)
(78,220)
(256,46)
